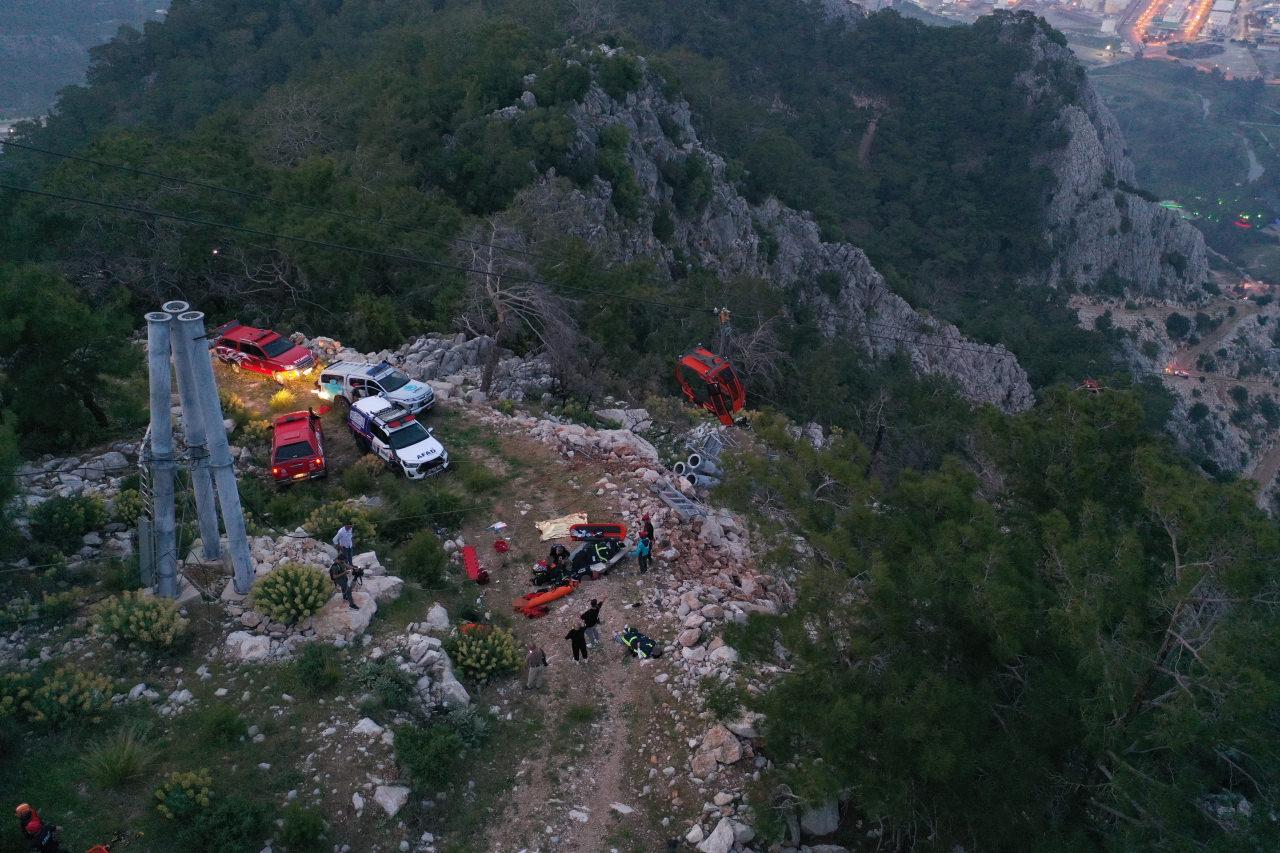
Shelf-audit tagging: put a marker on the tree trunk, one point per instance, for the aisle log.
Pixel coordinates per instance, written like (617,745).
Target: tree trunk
(91,404)
(490,365)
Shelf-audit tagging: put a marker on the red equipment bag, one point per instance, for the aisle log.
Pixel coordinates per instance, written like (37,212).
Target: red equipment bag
(471,563)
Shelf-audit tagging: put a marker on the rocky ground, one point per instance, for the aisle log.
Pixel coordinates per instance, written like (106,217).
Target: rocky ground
(626,755)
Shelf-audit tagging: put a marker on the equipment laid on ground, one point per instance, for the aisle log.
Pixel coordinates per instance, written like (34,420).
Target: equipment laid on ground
(471,564)
(640,645)
(603,530)
(534,604)
(709,381)
(594,559)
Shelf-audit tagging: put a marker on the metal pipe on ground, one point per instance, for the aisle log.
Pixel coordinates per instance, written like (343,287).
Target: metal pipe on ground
(197,444)
(191,327)
(702,481)
(680,468)
(703,465)
(159,327)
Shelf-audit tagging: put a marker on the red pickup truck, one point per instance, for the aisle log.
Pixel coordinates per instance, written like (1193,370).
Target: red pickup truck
(297,448)
(262,351)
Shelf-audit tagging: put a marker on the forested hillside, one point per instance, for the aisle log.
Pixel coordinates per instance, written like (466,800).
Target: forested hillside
(44,45)
(1021,626)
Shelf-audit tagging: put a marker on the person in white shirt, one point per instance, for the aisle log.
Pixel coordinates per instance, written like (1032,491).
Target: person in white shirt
(344,542)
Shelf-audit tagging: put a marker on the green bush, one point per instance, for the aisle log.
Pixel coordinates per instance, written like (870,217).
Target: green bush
(303,828)
(183,795)
(283,401)
(118,761)
(723,698)
(431,754)
(291,592)
(15,690)
(69,695)
(362,477)
(136,617)
(127,507)
(484,654)
(470,723)
(63,522)
(59,605)
(391,687)
(317,666)
(231,824)
(476,478)
(432,504)
(219,725)
(620,75)
(421,559)
(324,521)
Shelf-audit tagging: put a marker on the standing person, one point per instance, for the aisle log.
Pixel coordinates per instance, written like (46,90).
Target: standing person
(345,542)
(536,662)
(646,528)
(591,622)
(42,836)
(338,574)
(578,641)
(643,552)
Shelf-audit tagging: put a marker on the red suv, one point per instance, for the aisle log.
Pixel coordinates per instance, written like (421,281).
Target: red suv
(262,351)
(297,447)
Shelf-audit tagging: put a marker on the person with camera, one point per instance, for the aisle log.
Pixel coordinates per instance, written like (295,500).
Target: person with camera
(339,573)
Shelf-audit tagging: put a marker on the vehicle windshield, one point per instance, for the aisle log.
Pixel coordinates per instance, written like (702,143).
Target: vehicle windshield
(278,347)
(296,450)
(409,436)
(393,381)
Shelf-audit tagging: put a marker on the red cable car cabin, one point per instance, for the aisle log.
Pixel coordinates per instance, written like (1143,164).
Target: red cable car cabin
(709,381)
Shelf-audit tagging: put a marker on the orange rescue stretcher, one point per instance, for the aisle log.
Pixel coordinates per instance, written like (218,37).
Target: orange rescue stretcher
(534,604)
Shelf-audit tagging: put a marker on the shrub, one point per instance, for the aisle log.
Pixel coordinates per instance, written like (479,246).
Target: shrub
(15,690)
(723,698)
(59,605)
(316,667)
(1177,325)
(68,695)
(282,401)
(303,828)
(361,478)
(117,761)
(231,824)
(183,795)
(325,520)
(1239,394)
(619,75)
(390,685)
(127,507)
(291,592)
(431,754)
(481,655)
(471,725)
(63,522)
(136,617)
(422,559)
(476,478)
(256,431)
(507,407)
(221,725)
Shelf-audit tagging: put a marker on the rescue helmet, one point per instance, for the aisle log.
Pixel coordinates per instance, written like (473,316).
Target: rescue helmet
(22,810)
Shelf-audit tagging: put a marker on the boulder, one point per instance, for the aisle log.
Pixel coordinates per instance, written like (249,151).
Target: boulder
(822,819)
(452,693)
(721,838)
(722,743)
(724,654)
(437,618)
(689,637)
(703,764)
(391,797)
(367,561)
(367,726)
(251,619)
(244,646)
(383,588)
(338,621)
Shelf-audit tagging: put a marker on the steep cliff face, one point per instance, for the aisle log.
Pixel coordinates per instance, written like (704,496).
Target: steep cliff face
(1097,225)
(712,226)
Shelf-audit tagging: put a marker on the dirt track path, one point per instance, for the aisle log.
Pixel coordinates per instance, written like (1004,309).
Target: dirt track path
(1187,357)
(592,726)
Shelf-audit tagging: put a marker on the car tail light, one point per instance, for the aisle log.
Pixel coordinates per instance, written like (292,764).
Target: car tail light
(318,461)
